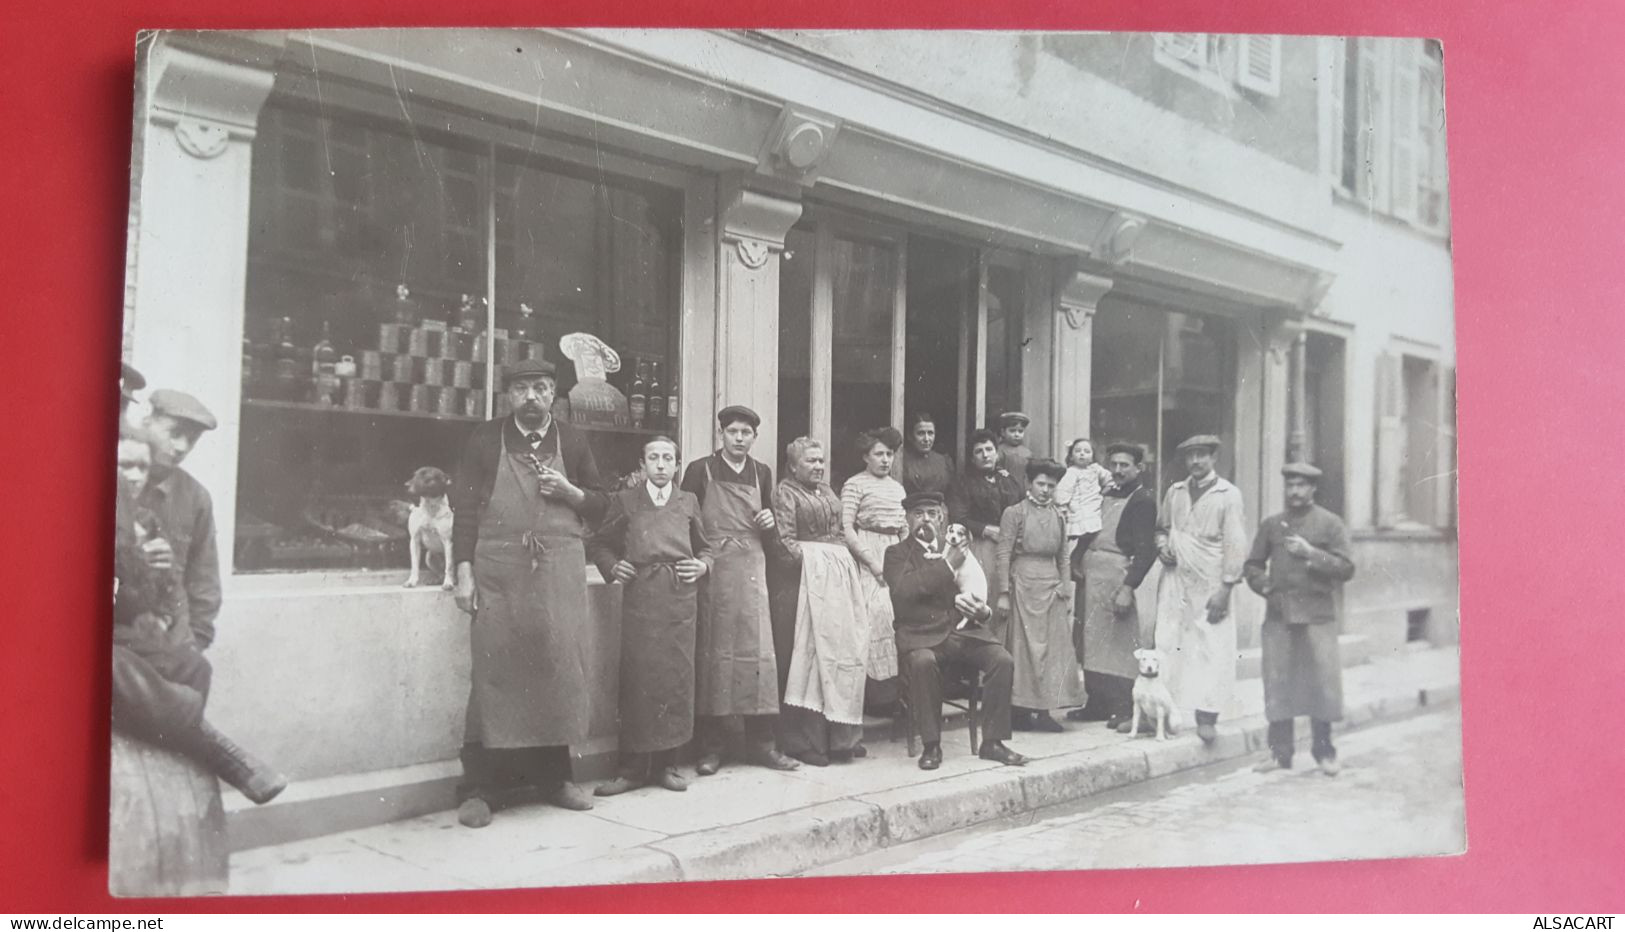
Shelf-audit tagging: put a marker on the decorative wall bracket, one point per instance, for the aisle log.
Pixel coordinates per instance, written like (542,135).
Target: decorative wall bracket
(797,145)
(756,221)
(1078,294)
(1314,300)
(1115,242)
(200,139)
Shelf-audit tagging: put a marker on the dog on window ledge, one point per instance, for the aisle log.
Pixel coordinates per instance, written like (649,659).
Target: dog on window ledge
(428,525)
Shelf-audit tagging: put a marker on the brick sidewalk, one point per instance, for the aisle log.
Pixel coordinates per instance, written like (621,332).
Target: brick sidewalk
(749,822)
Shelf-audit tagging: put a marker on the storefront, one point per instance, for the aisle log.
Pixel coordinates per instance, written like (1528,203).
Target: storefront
(342,236)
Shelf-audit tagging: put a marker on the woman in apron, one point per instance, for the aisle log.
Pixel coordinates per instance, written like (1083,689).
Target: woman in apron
(1034,587)
(978,498)
(823,716)
(653,543)
(871,520)
(735,663)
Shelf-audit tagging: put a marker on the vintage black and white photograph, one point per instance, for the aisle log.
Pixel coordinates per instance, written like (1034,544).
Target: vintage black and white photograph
(573,457)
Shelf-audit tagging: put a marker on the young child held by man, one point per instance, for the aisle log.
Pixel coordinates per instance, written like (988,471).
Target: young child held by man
(1079,496)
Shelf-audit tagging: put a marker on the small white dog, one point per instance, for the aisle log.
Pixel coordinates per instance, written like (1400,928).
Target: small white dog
(970,576)
(429,524)
(1151,696)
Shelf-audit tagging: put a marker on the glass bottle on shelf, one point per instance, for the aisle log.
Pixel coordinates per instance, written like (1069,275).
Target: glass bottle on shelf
(671,405)
(527,327)
(323,364)
(657,399)
(287,360)
(406,309)
(469,317)
(638,398)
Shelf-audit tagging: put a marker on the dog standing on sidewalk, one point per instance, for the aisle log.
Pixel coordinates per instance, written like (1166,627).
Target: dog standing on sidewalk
(1151,696)
(428,525)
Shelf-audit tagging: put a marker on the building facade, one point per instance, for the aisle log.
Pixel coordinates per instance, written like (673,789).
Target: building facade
(338,237)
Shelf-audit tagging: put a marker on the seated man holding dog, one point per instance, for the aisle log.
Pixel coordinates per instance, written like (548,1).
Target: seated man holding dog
(936,626)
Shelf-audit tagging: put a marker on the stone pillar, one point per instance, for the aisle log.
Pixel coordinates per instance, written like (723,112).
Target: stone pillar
(1077,296)
(203,98)
(753,221)
(1281,334)
(1297,439)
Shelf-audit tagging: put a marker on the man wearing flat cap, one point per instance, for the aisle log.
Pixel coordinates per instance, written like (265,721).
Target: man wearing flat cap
(1202,542)
(184,509)
(1013,450)
(736,666)
(937,625)
(522,498)
(1299,562)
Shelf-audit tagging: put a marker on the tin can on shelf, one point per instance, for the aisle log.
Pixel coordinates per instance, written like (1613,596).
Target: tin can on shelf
(390,339)
(434,371)
(400,368)
(446,400)
(372,365)
(355,393)
(389,396)
(420,401)
(474,403)
(417,341)
(462,374)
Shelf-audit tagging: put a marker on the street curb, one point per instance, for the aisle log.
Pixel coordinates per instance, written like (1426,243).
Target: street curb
(790,843)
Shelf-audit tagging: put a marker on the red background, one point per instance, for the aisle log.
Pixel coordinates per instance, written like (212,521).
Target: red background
(1536,136)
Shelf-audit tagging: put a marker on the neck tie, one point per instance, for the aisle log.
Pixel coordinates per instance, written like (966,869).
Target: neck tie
(534,438)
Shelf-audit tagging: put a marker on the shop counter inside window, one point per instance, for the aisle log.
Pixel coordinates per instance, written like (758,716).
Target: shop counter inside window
(381,311)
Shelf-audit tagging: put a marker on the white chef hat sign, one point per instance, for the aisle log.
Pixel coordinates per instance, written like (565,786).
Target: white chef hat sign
(593,357)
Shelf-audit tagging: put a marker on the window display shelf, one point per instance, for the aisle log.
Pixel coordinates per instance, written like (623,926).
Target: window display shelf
(341,409)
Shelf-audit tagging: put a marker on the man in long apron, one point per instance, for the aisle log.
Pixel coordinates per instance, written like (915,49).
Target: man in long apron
(1115,561)
(1300,559)
(522,502)
(1202,542)
(736,670)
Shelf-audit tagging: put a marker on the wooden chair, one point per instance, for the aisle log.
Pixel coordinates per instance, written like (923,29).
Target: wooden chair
(961,689)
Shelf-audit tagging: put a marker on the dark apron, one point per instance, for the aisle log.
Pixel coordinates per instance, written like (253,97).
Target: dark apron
(530,637)
(1109,639)
(737,671)
(657,632)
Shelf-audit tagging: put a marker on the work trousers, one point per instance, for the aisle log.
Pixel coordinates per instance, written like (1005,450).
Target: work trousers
(923,669)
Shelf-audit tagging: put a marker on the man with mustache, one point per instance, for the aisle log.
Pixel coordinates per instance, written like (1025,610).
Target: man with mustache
(937,626)
(522,499)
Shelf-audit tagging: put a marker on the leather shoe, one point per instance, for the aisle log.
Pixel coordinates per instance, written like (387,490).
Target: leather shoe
(1207,733)
(771,759)
(812,758)
(996,751)
(931,757)
(617,786)
(474,813)
(860,751)
(672,780)
(708,765)
(1043,722)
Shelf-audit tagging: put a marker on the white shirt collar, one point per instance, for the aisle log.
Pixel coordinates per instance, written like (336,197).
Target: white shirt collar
(657,494)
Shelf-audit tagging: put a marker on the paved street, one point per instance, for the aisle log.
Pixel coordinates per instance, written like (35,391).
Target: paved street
(1399,795)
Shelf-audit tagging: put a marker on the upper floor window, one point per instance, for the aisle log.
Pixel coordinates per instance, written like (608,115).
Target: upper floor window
(1387,146)
(1223,62)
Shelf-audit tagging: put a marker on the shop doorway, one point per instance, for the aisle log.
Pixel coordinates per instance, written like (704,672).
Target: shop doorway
(939,373)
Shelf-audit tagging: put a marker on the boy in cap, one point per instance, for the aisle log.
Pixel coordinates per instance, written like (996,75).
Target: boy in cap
(1013,450)
(183,506)
(1299,561)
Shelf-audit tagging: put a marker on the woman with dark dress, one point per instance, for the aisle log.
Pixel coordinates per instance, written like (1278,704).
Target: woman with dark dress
(978,497)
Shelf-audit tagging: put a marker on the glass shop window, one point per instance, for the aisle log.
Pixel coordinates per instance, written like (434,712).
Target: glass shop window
(371,330)
(1159,377)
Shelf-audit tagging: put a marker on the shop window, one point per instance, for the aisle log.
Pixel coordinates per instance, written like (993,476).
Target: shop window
(863,304)
(1158,377)
(1324,374)
(1006,300)
(370,331)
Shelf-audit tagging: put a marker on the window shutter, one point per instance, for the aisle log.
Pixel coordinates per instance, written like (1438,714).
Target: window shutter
(1390,471)
(1258,64)
(1335,76)
(1404,178)
(1368,175)
(1188,47)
